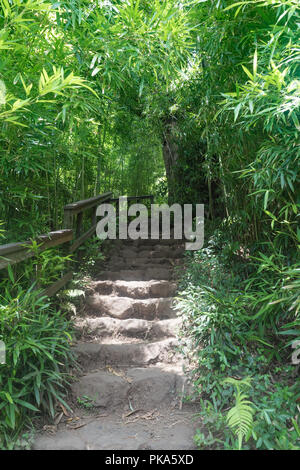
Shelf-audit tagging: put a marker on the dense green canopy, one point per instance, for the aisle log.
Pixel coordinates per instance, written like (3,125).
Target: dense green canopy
(194,101)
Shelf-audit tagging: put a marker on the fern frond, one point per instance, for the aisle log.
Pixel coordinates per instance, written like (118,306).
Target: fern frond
(240,417)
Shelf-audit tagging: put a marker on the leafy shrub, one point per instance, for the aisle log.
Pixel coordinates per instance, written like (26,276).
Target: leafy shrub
(233,322)
(38,353)
(240,416)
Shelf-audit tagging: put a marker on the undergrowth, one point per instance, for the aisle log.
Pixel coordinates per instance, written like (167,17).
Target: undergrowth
(34,377)
(238,314)
(37,336)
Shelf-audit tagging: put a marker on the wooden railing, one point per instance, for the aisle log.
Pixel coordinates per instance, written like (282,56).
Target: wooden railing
(13,253)
(73,213)
(135,198)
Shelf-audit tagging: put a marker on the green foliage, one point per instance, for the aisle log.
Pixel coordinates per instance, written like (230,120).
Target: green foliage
(37,273)
(237,110)
(195,101)
(72,84)
(276,420)
(240,416)
(37,337)
(38,354)
(223,300)
(86,402)
(90,254)
(68,129)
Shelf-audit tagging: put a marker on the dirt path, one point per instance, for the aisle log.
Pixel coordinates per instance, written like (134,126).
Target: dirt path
(132,382)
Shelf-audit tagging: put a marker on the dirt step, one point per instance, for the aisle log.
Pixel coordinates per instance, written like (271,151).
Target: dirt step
(137,275)
(145,388)
(134,289)
(167,429)
(116,244)
(131,265)
(155,245)
(107,327)
(91,355)
(157,251)
(120,260)
(126,307)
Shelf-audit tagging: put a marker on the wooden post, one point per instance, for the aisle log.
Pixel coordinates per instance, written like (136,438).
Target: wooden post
(68,223)
(94,216)
(79,224)
(117,207)
(68,219)
(78,231)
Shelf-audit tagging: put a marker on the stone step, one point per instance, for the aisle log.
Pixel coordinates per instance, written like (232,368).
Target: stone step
(126,307)
(107,327)
(162,242)
(91,355)
(134,264)
(167,429)
(161,252)
(116,244)
(145,388)
(137,275)
(134,289)
(157,251)
(137,261)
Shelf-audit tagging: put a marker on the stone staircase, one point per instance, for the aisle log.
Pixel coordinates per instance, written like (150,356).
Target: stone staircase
(128,351)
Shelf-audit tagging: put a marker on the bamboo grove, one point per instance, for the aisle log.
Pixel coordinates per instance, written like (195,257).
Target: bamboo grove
(194,101)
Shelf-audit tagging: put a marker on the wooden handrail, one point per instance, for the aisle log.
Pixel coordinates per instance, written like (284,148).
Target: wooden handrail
(80,206)
(13,253)
(76,209)
(133,198)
